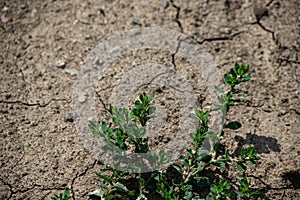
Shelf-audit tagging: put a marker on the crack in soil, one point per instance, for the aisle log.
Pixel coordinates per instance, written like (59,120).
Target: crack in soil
(78,175)
(101,100)
(173,55)
(17,163)
(177,15)
(230,37)
(269,3)
(34,104)
(34,186)
(151,81)
(259,107)
(267,30)
(288,111)
(9,187)
(268,186)
(281,60)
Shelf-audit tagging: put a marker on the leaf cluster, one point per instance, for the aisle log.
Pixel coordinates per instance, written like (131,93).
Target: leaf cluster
(126,132)
(65,195)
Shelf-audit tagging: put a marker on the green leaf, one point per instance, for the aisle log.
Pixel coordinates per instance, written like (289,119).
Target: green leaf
(221,99)
(214,188)
(119,187)
(202,152)
(179,169)
(232,72)
(239,92)
(104,177)
(63,196)
(151,110)
(102,185)
(246,68)
(202,181)
(241,167)
(233,125)
(188,195)
(257,192)
(131,193)
(104,127)
(250,151)
(209,197)
(212,135)
(246,78)
(220,90)
(237,67)
(98,193)
(220,164)
(228,79)
(94,128)
(239,100)
(113,110)
(242,154)
(226,186)
(242,69)
(250,162)
(141,197)
(239,193)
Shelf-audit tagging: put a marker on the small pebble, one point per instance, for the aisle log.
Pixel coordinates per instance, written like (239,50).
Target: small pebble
(102,47)
(60,64)
(70,117)
(82,97)
(144,3)
(91,119)
(33,12)
(1,130)
(98,8)
(4,19)
(23,6)
(136,21)
(165,4)
(72,72)
(288,146)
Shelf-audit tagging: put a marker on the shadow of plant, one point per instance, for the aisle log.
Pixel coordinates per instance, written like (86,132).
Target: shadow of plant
(293,177)
(263,144)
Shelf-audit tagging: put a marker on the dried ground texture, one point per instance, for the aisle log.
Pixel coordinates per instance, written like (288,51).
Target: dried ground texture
(44,42)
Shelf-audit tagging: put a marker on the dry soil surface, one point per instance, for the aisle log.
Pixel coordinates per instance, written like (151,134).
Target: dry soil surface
(43,44)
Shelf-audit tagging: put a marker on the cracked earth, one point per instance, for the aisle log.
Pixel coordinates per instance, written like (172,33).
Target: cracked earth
(40,151)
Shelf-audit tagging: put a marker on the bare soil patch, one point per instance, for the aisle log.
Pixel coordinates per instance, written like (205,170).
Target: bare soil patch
(44,42)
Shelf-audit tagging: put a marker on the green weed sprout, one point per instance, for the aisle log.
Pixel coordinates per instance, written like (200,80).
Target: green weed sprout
(63,196)
(127,133)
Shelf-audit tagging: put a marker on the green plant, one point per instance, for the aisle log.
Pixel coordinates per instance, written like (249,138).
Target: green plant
(127,131)
(65,195)
(219,190)
(244,187)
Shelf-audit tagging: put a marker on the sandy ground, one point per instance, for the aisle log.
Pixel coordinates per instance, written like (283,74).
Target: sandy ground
(41,152)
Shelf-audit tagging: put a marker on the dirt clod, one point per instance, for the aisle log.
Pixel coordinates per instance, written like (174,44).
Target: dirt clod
(70,117)
(60,64)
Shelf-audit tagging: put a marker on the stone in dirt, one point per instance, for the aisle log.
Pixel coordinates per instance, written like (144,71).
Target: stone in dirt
(102,47)
(70,117)
(136,21)
(82,97)
(72,72)
(165,4)
(144,3)
(4,19)
(60,64)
